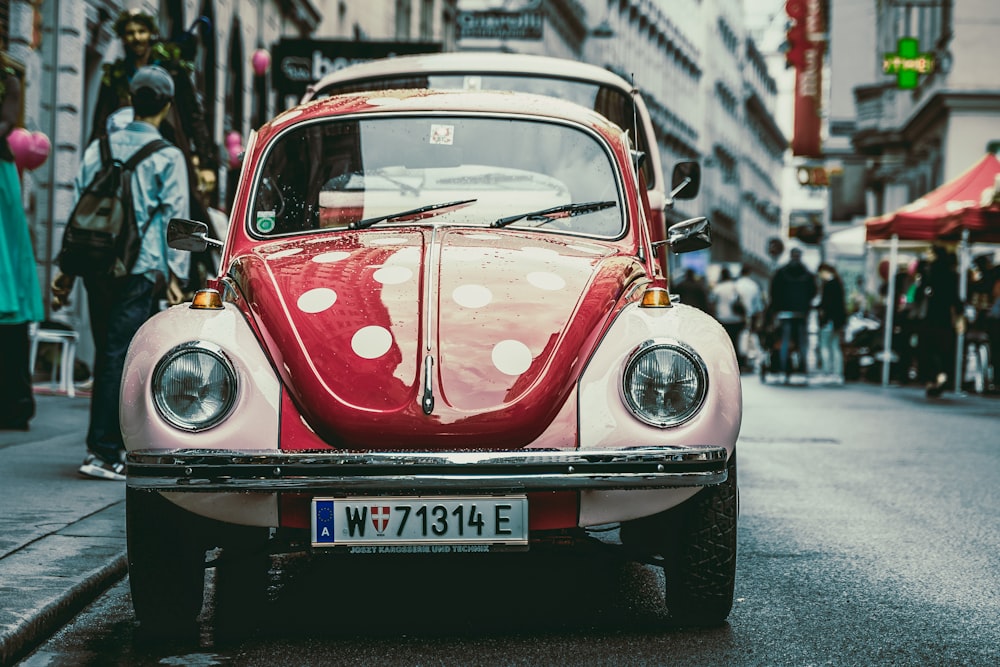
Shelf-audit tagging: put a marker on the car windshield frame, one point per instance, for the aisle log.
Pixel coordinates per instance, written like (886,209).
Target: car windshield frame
(531,190)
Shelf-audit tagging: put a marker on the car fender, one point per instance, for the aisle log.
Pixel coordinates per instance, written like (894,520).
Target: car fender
(605,421)
(253,422)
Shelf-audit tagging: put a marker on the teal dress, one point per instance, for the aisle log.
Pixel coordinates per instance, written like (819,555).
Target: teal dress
(20,298)
(20,295)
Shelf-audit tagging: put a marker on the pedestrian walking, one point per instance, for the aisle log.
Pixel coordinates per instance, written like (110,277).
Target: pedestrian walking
(691,289)
(832,311)
(185,125)
(119,305)
(793,288)
(984,292)
(729,308)
(752,298)
(20,295)
(938,311)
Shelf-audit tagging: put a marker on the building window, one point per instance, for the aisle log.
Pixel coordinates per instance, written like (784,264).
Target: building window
(927,22)
(426,20)
(403,18)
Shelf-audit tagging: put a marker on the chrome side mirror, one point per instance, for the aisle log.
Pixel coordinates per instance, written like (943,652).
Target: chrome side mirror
(189,235)
(688,236)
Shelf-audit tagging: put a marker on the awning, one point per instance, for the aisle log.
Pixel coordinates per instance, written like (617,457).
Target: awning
(967,202)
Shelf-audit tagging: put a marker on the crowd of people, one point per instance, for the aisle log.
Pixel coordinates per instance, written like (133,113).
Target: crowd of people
(771,331)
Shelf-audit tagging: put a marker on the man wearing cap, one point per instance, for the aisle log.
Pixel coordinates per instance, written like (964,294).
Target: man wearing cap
(119,306)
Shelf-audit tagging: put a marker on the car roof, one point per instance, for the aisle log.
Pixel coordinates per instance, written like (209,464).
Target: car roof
(471,62)
(437,101)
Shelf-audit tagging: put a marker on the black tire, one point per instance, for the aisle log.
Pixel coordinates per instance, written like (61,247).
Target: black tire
(166,563)
(242,577)
(697,542)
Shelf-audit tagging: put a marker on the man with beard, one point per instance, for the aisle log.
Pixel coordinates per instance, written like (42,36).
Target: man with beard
(793,289)
(185,125)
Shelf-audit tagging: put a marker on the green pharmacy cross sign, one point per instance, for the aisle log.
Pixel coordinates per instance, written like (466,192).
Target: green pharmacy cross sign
(907,63)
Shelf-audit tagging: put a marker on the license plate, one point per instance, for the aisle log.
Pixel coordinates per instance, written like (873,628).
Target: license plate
(420,521)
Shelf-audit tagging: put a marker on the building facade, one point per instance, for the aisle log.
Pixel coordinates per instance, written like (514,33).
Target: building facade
(701,74)
(916,138)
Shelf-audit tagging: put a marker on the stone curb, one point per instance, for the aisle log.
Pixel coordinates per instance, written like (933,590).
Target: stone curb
(43,585)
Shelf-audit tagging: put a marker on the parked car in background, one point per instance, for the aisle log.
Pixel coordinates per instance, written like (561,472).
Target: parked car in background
(588,85)
(438,328)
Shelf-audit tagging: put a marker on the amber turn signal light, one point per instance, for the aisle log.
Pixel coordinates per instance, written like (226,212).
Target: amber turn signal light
(655,297)
(207,299)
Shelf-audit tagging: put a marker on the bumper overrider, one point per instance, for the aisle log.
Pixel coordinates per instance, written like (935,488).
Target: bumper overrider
(405,472)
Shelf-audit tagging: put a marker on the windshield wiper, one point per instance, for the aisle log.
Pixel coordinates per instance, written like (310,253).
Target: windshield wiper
(415,212)
(550,214)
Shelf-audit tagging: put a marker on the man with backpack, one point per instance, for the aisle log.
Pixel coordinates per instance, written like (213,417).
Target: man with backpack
(122,294)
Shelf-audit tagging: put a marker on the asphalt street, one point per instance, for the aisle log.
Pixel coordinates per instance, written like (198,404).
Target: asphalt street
(62,536)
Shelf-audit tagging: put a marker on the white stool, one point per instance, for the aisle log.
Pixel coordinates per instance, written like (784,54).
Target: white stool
(67,358)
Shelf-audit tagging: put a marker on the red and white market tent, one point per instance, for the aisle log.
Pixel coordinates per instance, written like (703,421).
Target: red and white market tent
(967,202)
(966,209)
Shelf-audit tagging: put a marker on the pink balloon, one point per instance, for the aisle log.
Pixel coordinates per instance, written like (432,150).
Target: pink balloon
(261,61)
(30,149)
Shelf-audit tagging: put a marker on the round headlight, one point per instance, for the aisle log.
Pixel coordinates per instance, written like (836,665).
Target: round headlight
(664,383)
(194,386)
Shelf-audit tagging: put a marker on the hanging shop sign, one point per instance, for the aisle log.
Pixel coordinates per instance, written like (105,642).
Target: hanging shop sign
(907,63)
(806,43)
(500,25)
(300,62)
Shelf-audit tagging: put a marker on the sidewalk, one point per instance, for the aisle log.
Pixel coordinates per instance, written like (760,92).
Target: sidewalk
(62,536)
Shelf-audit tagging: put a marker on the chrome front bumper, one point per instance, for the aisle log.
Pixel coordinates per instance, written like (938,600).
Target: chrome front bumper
(401,472)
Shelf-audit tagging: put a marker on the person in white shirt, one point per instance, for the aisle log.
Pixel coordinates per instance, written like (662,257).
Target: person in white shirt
(753,299)
(729,308)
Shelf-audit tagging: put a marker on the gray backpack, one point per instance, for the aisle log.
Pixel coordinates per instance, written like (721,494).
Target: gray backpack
(101,236)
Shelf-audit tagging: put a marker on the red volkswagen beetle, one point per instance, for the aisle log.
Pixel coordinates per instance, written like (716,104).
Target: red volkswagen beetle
(437,329)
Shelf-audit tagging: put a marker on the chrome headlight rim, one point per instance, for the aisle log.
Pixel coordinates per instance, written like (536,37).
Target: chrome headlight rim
(686,351)
(193,347)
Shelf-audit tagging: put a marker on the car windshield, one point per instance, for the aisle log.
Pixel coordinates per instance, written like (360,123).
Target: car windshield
(612,103)
(333,174)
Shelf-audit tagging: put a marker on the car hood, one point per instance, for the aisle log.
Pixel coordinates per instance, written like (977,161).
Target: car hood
(431,337)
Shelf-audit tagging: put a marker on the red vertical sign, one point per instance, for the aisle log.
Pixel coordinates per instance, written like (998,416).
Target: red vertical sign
(806,44)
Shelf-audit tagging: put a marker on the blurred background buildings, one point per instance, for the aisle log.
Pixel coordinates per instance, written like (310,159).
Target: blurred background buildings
(801,131)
